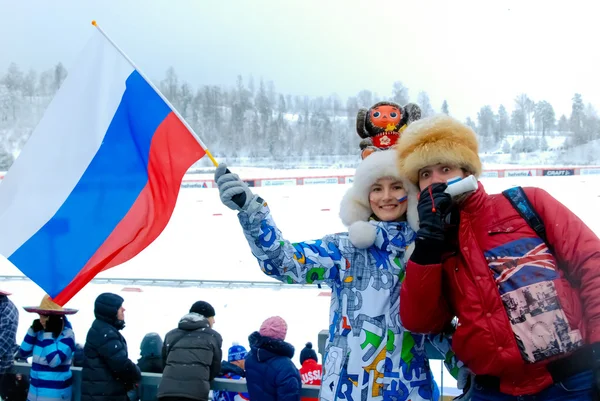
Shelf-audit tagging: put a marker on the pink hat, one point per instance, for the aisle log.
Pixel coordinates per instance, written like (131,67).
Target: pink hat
(274,327)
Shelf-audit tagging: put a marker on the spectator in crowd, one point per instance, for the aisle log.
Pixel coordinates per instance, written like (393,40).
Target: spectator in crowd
(51,342)
(270,373)
(108,373)
(16,387)
(151,354)
(150,362)
(78,356)
(12,387)
(9,321)
(233,368)
(192,356)
(311,370)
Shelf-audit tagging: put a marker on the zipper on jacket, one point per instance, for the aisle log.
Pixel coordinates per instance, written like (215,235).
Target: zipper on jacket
(455,274)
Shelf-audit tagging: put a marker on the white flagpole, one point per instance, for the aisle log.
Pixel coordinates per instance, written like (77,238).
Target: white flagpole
(210,156)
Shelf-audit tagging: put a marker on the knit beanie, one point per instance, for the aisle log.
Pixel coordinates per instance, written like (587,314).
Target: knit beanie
(236,353)
(274,327)
(308,353)
(203,308)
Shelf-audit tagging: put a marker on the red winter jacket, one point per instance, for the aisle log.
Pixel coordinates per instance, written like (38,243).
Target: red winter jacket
(310,373)
(502,285)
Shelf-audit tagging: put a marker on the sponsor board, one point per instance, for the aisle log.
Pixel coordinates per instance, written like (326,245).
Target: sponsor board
(519,173)
(196,184)
(559,172)
(589,171)
(489,174)
(320,180)
(279,182)
(349,180)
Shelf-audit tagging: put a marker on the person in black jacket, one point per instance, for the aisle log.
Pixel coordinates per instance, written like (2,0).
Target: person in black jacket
(107,372)
(150,362)
(151,352)
(192,354)
(78,356)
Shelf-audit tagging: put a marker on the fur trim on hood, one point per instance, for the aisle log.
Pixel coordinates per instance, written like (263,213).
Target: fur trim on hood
(355,208)
(438,139)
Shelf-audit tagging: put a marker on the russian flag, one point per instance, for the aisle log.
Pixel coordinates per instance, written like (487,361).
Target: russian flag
(98,180)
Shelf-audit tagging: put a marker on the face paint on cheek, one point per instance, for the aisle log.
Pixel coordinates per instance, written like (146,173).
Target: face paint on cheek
(403,199)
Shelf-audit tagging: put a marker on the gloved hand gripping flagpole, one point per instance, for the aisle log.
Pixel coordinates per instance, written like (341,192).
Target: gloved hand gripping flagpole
(210,156)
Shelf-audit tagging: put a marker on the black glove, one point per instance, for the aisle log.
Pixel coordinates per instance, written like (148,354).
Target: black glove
(55,325)
(433,206)
(37,326)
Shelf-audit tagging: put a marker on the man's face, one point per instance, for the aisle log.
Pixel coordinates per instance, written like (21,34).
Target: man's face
(438,173)
(121,313)
(211,321)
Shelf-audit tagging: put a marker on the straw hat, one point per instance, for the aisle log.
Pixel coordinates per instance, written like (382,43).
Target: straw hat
(48,307)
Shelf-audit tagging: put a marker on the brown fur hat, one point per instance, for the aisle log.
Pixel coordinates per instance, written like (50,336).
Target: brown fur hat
(434,140)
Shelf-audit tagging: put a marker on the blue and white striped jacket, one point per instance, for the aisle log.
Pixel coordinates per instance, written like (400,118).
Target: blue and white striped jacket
(51,364)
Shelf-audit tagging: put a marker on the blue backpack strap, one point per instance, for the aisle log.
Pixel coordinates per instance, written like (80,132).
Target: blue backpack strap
(516,196)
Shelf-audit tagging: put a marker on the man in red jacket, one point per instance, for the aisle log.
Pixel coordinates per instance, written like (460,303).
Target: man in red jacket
(528,318)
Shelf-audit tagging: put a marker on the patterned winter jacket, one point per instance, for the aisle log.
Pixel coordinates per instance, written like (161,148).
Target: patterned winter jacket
(9,320)
(51,378)
(516,310)
(369,355)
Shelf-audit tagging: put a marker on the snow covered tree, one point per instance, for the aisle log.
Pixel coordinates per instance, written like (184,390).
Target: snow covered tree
(400,93)
(445,108)
(425,104)
(544,116)
(563,124)
(502,123)
(576,120)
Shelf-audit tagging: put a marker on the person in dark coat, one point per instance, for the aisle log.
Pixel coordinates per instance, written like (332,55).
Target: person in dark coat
(151,352)
(270,373)
(9,321)
(78,356)
(192,356)
(107,372)
(150,362)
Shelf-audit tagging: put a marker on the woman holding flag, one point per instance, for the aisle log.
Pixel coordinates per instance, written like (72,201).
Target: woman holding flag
(369,354)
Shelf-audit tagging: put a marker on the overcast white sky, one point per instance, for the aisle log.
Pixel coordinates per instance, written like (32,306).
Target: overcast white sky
(468,52)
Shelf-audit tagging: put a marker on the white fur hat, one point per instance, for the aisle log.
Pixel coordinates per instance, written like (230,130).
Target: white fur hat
(355,208)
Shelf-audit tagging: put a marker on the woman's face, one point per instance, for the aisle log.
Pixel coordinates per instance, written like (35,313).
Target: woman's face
(388,199)
(44,320)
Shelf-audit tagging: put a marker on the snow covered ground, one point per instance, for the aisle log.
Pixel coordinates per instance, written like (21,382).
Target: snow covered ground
(204,241)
